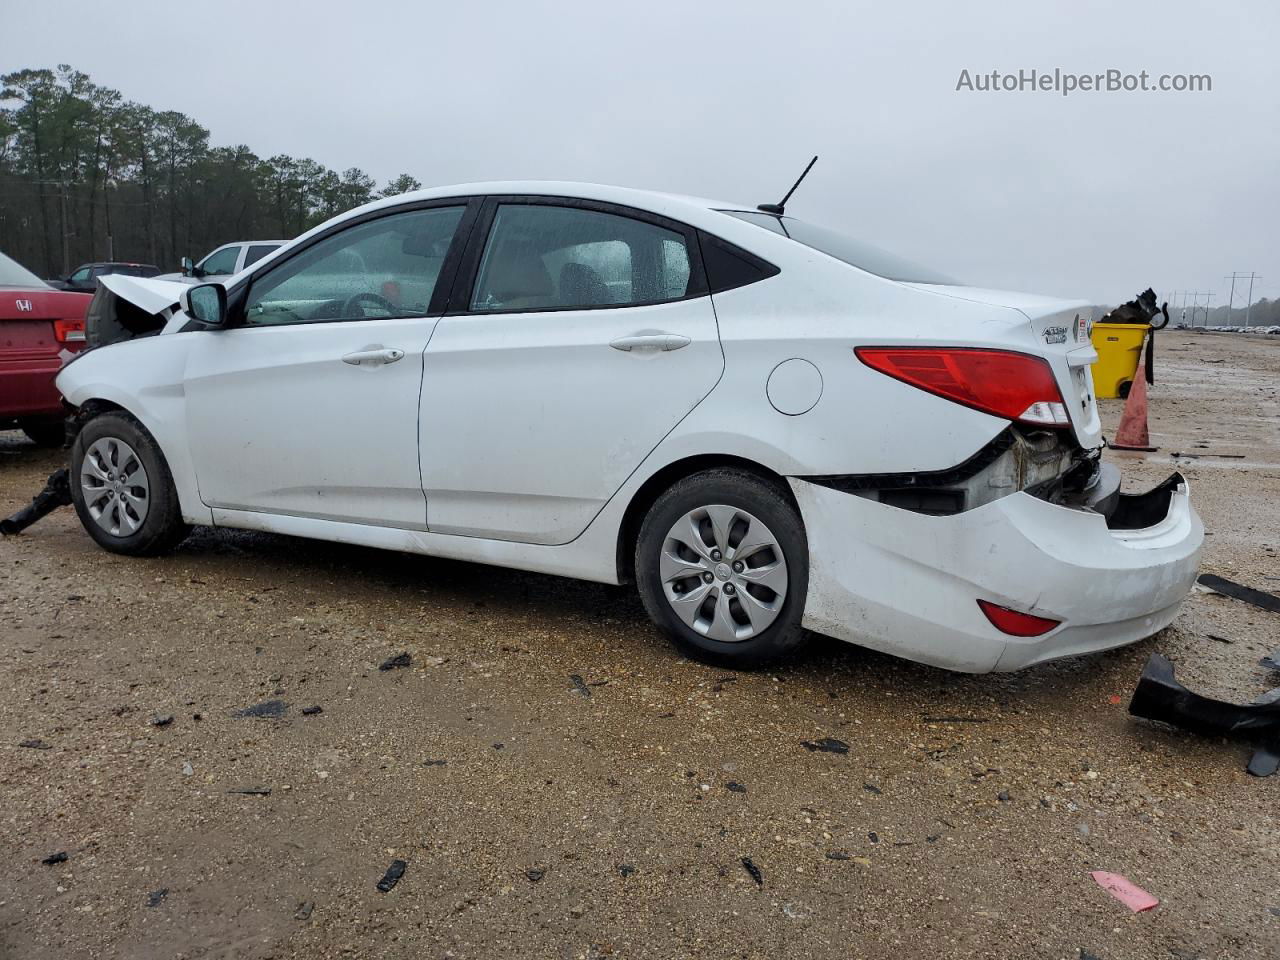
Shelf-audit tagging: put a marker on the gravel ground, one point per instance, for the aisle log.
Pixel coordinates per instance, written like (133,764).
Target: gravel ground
(560,784)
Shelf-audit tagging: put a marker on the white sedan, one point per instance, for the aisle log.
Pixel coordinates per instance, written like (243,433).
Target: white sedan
(768,426)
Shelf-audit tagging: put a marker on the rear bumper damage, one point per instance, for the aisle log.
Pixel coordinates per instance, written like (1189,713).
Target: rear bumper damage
(907,583)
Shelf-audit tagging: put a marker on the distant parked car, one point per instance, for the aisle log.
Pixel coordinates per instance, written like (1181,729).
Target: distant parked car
(84,278)
(40,330)
(226,261)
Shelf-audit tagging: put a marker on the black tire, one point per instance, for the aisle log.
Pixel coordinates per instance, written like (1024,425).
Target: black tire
(45,433)
(162,527)
(764,500)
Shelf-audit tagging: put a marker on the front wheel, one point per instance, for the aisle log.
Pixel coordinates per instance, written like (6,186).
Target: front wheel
(122,489)
(722,567)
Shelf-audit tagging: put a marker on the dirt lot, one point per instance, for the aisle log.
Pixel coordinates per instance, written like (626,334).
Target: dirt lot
(561,785)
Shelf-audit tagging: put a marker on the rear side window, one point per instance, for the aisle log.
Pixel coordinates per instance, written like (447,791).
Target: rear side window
(544,257)
(257,251)
(729,266)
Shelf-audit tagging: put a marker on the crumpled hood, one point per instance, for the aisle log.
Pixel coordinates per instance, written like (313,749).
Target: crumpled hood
(147,293)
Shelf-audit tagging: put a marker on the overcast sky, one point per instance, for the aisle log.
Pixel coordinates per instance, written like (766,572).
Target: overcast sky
(1095,194)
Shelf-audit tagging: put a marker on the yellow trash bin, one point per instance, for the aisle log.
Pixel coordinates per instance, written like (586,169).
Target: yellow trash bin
(1119,346)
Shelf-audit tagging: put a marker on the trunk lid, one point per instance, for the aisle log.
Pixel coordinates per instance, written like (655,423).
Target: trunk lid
(27,315)
(1058,330)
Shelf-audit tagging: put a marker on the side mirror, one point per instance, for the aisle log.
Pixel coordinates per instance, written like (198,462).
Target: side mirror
(207,303)
(187,267)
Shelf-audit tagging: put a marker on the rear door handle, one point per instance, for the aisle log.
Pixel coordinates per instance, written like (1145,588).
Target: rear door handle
(650,341)
(373,357)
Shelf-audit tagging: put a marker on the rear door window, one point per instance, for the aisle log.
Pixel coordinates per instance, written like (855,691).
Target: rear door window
(220,263)
(257,251)
(547,257)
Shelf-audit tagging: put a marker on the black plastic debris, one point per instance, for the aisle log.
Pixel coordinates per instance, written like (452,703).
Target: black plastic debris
(162,720)
(434,763)
(825,745)
(751,868)
(735,787)
(251,791)
(1160,697)
(156,897)
(625,870)
(270,709)
(312,711)
(59,857)
(396,662)
(580,686)
(56,493)
(392,876)
(838,855)
(1238,591)
(872,788)
(535,874)
(35,745)
(304,910)
(955,719)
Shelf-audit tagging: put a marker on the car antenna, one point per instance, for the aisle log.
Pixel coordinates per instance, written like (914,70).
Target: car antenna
(778,209)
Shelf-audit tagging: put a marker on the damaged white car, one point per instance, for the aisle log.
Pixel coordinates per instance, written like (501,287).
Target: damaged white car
(767,426)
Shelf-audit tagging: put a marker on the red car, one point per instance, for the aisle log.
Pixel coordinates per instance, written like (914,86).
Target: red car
(40,330)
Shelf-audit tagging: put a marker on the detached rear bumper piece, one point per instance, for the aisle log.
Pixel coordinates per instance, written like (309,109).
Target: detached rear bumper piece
(909,584)
(1160,697)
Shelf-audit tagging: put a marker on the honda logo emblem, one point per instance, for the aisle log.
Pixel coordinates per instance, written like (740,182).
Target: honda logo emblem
(25,305)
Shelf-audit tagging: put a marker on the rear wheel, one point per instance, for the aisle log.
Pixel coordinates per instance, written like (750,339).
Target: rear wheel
(122,489)
(722,567)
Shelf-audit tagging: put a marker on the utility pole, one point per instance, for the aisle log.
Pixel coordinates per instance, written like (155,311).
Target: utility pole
(1250,276)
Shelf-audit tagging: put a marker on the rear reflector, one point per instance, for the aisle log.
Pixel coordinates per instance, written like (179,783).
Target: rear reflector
(67,331)
(1004,383)
(1014,622)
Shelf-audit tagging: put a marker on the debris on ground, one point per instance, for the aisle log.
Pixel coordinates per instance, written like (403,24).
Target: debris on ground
(434,763)
(579,685)
(535,874)
(625,869)
(1238,591)
(162,720)
(304,910)
(312,710)
(270,709)
(34,744)
(872,789)
(1160,697)
(825,745)
(752,869)
(392,876)
(735,787)
(155,897)
(1131,895)
(396,662)
(187,769)
(838,855)
(56,493)
(950,719)
(59,857)
(251,791)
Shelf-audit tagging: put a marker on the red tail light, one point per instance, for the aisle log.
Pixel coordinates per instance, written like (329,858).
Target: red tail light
(67,331)
(1012,385)
(1014,622)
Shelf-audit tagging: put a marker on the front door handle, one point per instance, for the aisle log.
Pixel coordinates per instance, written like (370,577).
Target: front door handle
(650,341)
(373,357)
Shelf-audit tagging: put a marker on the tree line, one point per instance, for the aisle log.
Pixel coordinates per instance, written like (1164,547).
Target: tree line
(88,175)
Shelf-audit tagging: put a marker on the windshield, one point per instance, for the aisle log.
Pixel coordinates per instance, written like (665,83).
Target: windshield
(12,274)
(851,251)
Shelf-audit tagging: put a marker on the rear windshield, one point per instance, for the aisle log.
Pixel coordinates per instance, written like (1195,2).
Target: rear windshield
(851,251)
(12,274)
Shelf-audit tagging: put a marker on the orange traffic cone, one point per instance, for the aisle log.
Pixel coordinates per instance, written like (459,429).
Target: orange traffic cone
(1132,433)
